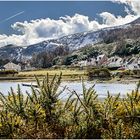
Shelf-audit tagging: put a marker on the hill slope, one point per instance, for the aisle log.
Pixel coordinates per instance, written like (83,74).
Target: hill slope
(74,41)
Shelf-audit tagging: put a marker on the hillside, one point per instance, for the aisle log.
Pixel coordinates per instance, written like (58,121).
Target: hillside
(76,41)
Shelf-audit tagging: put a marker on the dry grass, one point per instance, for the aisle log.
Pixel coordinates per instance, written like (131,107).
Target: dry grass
(66,72)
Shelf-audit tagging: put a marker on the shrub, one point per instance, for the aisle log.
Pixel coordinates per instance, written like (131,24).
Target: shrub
(6,72)
(68,60)
(136,72)
(125,73)
(43,114)
(99,73)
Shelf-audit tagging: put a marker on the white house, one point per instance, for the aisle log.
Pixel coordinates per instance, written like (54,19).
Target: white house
(82,63)
(115,61)
(12,66)
(28,66)
(92,62)
(133,60)
(101,59)
(2,68)
(138,60)
(133,66)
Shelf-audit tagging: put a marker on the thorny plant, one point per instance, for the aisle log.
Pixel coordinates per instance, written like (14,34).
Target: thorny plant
(43,114)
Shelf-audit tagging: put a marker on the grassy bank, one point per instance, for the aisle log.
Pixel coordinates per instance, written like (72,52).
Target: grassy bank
(43,114)
(69,74)
(66,72)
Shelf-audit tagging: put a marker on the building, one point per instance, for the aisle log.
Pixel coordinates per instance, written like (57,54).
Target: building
(82,63)
(115,61)
(139,61)
(102,59)
(27,66)
(91,62)
(85,63)
(12,66)
(133,66)
(2,68)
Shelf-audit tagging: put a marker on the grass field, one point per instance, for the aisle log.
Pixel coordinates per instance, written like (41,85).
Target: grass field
(67,74)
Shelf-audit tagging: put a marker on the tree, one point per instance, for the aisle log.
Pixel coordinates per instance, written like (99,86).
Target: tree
(46,59)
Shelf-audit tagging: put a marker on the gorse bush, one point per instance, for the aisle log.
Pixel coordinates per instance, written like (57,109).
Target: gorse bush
(43,114)
(99,73)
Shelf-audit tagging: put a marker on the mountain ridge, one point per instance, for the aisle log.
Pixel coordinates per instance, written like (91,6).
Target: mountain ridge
(74,41)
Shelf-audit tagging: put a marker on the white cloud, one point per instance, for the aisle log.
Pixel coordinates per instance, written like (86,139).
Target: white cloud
(49,28)
(133,4)
(43,29)
(110,20)
(12,39)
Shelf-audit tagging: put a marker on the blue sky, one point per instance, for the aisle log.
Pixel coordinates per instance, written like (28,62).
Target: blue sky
(54,10)
(24,23)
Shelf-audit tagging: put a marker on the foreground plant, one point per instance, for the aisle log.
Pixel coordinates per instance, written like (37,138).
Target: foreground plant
(43,114)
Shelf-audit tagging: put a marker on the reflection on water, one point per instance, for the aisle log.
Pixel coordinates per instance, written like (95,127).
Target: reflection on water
(100,88)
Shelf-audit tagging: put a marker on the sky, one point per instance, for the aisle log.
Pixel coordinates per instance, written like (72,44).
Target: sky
(24,23)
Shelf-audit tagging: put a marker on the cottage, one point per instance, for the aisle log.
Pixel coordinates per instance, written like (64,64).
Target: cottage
(101,59)
(91,62)
(133,60)
(2,68)
(28,66)
(115,61)
(133,66)
(139,61)
(12,66)
(82,63)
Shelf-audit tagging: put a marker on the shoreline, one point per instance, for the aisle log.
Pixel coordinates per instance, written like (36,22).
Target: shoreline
(67,75)
(126,80)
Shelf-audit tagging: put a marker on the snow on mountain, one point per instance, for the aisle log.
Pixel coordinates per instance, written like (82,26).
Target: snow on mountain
(74,41)
(11,52)
(137,21)
(79,40)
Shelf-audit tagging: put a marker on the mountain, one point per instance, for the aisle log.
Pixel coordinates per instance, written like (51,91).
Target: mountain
(74,41)
(137,21)
(11,52)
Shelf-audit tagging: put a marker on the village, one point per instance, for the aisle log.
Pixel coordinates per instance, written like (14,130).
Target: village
(17,67)
(112,63)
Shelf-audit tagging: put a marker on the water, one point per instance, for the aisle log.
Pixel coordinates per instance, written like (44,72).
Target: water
(103,88)
(100,88)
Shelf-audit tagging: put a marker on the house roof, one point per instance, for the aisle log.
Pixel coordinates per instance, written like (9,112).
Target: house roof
(11,64)
(2,67)
(102,55)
